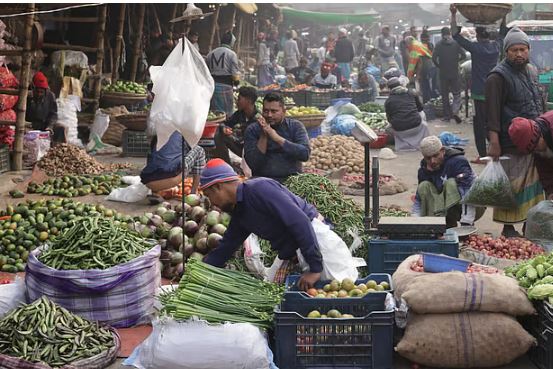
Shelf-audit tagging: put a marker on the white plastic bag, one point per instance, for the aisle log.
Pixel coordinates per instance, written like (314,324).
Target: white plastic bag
(199,345)
(11,296)
(133,193)
(183,87)
(70,58)
(491,188)
(35,145)
(67,117)
(101,124)
(338,263)
(253,256)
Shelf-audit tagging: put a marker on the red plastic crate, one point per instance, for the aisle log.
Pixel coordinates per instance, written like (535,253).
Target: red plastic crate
(380,142)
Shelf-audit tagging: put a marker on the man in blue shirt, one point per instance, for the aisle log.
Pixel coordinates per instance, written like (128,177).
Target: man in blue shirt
(275,146)
(269,210)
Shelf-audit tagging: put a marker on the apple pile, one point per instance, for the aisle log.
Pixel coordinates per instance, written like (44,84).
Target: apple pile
(347,288)
(332,314)
(504,248)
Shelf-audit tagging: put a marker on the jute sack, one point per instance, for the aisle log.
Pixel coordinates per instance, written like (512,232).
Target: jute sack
(476,256)
(456,292)
(465,340)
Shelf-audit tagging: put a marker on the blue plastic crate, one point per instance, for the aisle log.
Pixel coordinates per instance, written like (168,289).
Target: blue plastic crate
(386,255)
(354,343)
(434,263)
(360,306)
(314,132)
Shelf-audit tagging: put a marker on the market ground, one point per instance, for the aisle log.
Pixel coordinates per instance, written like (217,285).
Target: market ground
(405,167)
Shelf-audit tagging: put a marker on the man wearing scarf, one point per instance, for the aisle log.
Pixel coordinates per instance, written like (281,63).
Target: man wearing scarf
(512,91)
(419,56)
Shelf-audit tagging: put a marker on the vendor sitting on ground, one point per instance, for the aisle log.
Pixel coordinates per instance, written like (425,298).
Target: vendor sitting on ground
(269,210)
(276,146)
(403,111)
(536,136)
(42,110)
(230,135)
(445,176)
(365,81)
(302,74)
(325,79)
(164,167)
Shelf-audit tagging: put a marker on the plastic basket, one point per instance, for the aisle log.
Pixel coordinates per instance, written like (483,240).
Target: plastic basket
(311,121)
(360,306)
(320,100)
(541,327)
(386,255)
(355,343)
(135,143)
(299,97)
(360,97)
(4,158)
(380,142)
(434,263)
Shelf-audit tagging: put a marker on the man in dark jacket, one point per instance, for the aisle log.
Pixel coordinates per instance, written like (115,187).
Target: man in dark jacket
(446,57)
(386,45)
(42,110)
(444,177)
(484,56)
(536,136)
(512,90)
(344,54)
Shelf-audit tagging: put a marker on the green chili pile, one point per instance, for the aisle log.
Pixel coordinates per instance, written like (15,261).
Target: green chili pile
(221,295)
(45,332)
(94,243)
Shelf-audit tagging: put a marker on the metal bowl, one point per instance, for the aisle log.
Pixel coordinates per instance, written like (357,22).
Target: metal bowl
(484,13)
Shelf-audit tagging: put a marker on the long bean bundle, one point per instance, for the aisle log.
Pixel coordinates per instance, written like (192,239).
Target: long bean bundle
(220,295)
(94,243)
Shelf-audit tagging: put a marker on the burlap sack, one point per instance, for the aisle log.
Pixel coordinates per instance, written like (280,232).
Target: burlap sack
(476,256)
(456,292)
(465,340)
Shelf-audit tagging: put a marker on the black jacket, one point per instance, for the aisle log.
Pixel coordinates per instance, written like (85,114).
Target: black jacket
(402,111)
(344,52)
(446,56)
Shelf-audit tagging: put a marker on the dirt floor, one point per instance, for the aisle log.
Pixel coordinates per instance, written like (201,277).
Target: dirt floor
(405,167)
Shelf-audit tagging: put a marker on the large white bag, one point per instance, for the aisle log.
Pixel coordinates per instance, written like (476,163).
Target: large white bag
(11,296)
(183,88)
(199,345)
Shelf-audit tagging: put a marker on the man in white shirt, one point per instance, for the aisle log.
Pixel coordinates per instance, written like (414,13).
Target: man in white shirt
(325,79)
(264,75)
(291,52)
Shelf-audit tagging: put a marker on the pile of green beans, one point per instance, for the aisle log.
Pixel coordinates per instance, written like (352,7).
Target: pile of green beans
(94,243)
(48,333)
(344,213)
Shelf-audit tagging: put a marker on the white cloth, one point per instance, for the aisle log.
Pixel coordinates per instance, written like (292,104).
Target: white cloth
(410,139)
(263,54)
(291,54)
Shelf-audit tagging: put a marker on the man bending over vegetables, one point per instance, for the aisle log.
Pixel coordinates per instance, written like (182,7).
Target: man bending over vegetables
(268,209)
(444,177)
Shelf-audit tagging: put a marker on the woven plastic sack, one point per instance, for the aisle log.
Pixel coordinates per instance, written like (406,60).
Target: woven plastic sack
(466,340)
(121,296)
(101,360)
(8,115)
(7,78)
(539,224)
(491,188)
(8,102)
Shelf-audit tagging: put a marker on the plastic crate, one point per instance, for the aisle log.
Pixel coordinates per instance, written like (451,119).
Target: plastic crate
(4,159)
(314,132)
(434,263)
(320,100)
(360,306)
(380,142)
(386,255)
(135,143)
(348,343)
(299,97)
(541,327)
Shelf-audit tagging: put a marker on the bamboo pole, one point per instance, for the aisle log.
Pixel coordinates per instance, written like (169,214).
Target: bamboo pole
(23,88)
(172,25)
(118,42)
(240,22)
(85,49)
(100,54)
(214,26)
(137,41)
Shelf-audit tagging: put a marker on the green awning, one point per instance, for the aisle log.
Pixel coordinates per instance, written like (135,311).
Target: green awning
(294,15)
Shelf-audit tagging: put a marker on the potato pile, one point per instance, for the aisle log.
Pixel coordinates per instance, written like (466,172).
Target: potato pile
(333,152)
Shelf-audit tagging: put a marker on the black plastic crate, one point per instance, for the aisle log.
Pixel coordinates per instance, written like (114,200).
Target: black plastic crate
(4,159)
(540,326)
(299,97)
(298,300)
(135,143)
(320,100)
(386,255)
(354,343)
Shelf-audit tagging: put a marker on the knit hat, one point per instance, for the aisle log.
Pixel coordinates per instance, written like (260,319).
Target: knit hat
(392,72)
(515,37)
(216,171)
(40,80)
(525,134)
(430,146)
(393,82)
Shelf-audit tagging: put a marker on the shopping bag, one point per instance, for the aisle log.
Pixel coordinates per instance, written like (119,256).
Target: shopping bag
(539,224)
(491,188)
(183,87)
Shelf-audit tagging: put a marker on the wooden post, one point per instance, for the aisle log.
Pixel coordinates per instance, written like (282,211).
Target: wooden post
(172,25)
(118,42)
(24,89)
(137,41)
(240,21)
(214,27)
(100,54)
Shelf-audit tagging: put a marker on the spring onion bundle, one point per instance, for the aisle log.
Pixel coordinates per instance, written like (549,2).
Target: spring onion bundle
(220,295)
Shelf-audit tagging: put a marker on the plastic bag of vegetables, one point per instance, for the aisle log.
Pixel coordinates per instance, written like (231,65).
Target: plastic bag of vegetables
(343,124)
(539,224)
(491,188)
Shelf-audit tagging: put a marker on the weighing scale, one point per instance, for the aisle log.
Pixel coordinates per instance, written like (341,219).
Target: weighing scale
(414,228)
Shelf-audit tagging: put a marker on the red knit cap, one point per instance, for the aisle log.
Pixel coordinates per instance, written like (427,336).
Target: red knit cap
(525,134)
(40,80)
